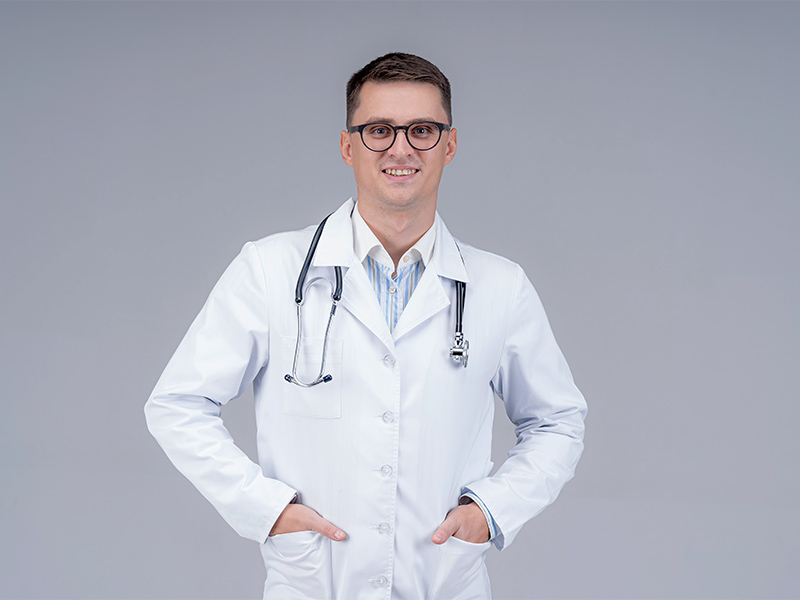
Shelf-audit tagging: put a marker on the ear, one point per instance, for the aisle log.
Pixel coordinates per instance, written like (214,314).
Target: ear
(346,148)
(452,143)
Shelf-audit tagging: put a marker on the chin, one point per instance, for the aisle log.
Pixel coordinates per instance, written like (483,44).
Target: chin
(401,203)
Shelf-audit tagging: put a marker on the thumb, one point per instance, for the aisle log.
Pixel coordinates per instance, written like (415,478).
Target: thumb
(448,527)
(328,529)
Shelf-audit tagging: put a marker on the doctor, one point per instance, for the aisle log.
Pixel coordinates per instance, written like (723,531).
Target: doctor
(376,483)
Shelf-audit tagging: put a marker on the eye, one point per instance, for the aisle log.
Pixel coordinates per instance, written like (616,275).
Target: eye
(378,130)
(423,130)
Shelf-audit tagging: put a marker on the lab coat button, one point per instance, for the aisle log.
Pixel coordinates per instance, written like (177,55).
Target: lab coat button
(386,470)
(388,417)
(389,360)
(384,528)
(380,581)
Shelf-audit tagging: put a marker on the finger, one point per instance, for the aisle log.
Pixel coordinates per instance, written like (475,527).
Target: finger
(448,527)
(328,529)
(296,517)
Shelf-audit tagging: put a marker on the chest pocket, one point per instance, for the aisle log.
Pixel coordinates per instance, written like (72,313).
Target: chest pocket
(322,401)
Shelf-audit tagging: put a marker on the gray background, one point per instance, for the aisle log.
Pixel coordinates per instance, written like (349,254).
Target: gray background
(640,160)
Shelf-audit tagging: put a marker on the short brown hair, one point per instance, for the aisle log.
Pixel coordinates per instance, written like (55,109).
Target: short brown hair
(398,66)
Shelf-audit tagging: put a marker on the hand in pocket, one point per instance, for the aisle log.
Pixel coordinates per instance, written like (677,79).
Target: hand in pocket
(465,522)
(296,517)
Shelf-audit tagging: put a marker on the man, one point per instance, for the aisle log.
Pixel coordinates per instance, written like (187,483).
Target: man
(374,482)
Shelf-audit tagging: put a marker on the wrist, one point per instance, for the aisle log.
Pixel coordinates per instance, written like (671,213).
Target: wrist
(469,497)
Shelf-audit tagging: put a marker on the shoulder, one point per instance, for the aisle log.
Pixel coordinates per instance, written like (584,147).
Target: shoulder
(487,267)
(291,242)
(279,248)
(285,240)
(263,259)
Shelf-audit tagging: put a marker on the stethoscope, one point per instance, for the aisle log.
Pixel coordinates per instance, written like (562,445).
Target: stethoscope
(459,352)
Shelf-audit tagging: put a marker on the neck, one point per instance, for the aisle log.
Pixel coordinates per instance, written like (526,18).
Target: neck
(397,231)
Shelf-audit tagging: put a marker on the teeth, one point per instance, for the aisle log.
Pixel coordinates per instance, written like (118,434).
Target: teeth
(400,171)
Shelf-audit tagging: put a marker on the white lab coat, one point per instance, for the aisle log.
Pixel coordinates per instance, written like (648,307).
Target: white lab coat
(386,448)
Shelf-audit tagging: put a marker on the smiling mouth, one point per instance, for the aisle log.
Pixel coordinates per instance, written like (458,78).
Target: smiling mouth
(400,172)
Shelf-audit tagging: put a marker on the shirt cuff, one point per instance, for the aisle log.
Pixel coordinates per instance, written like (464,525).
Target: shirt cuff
(493,529)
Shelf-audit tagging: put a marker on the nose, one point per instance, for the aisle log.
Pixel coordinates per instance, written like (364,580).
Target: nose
(400,146)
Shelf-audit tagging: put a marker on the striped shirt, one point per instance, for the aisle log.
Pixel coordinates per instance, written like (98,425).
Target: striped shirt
(393,292)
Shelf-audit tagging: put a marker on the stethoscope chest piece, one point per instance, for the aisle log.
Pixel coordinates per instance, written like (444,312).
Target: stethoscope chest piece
(460,350)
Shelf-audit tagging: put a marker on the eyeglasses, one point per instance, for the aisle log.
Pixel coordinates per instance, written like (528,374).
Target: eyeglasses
(379,137)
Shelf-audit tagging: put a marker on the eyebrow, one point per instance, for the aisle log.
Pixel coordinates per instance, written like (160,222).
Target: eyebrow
(393,122)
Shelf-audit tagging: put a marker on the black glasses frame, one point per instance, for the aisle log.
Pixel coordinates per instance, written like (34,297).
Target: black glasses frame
(395,128)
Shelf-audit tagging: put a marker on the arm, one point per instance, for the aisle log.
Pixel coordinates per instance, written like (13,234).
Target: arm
(219,357)
(541,400)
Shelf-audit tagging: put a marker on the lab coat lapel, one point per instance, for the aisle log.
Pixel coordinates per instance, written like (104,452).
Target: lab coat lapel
(428,299)
(358,297)
(335,248)
(431,295)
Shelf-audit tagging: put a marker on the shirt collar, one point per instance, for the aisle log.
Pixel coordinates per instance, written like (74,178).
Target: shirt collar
(365,243)
(336,246)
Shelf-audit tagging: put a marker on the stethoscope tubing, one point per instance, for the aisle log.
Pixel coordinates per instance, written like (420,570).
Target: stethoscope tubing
(312,249)
(459,352)
(321,377)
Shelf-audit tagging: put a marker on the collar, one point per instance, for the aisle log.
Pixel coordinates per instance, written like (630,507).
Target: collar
(337,247)
(366,243)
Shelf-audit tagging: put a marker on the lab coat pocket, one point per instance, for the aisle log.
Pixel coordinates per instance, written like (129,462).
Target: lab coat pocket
(460,572)
(298,566)
(323,401)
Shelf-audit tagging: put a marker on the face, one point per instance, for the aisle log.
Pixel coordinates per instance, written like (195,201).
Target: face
(379,175)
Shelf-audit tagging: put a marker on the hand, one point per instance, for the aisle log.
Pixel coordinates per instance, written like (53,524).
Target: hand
(296,517)
(465,522)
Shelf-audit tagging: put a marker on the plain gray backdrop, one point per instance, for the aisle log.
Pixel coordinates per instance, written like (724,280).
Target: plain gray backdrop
(639,160)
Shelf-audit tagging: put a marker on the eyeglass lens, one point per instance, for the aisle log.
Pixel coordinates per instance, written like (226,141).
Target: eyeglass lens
(380,136)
